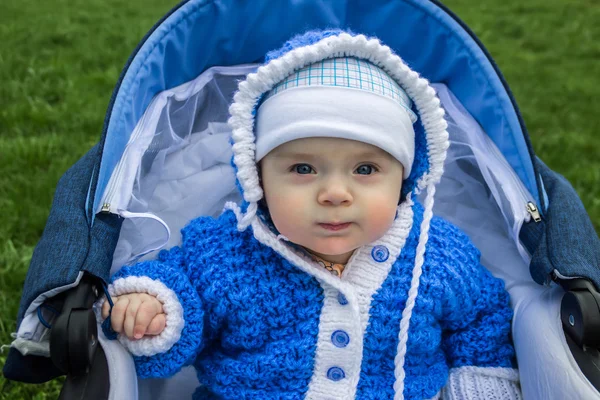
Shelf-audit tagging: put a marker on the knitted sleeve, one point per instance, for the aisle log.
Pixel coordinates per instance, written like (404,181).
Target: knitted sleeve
(476,324)
(165,354)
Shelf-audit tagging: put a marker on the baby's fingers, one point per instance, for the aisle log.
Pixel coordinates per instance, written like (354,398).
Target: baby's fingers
(117,316)
(147,311)
(130,316)
(157,325)
(106,307)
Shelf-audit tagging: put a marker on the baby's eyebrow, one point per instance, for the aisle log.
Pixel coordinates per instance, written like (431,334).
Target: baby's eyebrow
(296,155)
(354,156)
(371,154)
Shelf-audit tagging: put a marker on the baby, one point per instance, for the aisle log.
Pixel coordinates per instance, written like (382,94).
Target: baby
(344,286)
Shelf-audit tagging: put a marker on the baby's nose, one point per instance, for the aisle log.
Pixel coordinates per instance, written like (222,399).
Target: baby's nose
(335,194)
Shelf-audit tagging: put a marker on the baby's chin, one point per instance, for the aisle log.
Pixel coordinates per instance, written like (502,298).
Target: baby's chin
(331,253)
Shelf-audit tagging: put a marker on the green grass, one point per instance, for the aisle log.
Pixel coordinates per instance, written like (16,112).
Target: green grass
(59,61)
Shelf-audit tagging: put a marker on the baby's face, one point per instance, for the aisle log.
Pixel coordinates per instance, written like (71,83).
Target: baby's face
(331,195)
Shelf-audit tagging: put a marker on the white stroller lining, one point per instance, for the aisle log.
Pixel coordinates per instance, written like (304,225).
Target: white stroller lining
(176,165)
(172,174)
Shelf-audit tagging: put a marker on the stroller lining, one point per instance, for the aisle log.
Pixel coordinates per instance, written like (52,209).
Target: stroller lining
(176,167)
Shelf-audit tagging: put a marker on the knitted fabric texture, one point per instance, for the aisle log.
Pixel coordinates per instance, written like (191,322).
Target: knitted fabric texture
(172,308)
(481,383)
(252,329)
(168,270)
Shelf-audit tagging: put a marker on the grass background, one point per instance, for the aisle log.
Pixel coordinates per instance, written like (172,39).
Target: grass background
(60,60)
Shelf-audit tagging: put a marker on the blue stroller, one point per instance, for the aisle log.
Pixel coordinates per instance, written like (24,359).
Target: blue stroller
(165,143)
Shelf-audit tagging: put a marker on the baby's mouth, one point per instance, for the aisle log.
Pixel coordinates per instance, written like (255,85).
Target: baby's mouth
(335,226)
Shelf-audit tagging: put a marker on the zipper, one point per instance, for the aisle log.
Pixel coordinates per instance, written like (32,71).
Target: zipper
(522,215)
(534,212)
(438,3)
(106,207)
(531,207)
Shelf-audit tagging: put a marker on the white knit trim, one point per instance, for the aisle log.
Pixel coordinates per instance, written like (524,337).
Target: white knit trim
(362,277)
(347,318)
(343,45)
(150,345)
(479,383)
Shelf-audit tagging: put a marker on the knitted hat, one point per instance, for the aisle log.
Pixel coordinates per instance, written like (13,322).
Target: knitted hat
(343,97)
(431,138)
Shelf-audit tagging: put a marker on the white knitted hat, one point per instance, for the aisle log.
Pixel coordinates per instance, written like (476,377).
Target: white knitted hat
(341,97)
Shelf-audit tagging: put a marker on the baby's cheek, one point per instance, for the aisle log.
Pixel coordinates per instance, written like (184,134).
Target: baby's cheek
(286,213)
(380,218)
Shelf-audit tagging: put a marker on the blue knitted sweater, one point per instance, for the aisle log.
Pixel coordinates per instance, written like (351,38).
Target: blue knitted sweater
(257,326)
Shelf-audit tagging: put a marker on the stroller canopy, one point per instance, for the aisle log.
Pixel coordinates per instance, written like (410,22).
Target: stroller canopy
(200,34)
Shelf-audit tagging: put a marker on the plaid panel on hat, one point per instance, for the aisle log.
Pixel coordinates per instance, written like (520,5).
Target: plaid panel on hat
(349,72)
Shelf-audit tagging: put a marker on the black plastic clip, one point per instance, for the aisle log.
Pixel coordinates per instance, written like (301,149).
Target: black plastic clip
(580,315)
(74,346)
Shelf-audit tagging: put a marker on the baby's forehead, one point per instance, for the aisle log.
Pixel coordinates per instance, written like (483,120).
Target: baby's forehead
(319,147)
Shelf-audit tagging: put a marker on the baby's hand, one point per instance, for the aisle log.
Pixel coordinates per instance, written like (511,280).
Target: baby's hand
(136,315)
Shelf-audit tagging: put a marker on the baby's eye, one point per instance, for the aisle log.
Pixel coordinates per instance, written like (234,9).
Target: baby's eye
(366,169)
(302,169)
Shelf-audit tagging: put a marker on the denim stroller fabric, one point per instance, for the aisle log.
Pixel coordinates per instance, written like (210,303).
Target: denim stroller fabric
(29,369)
(68,246)
(565,241)
(63,248)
